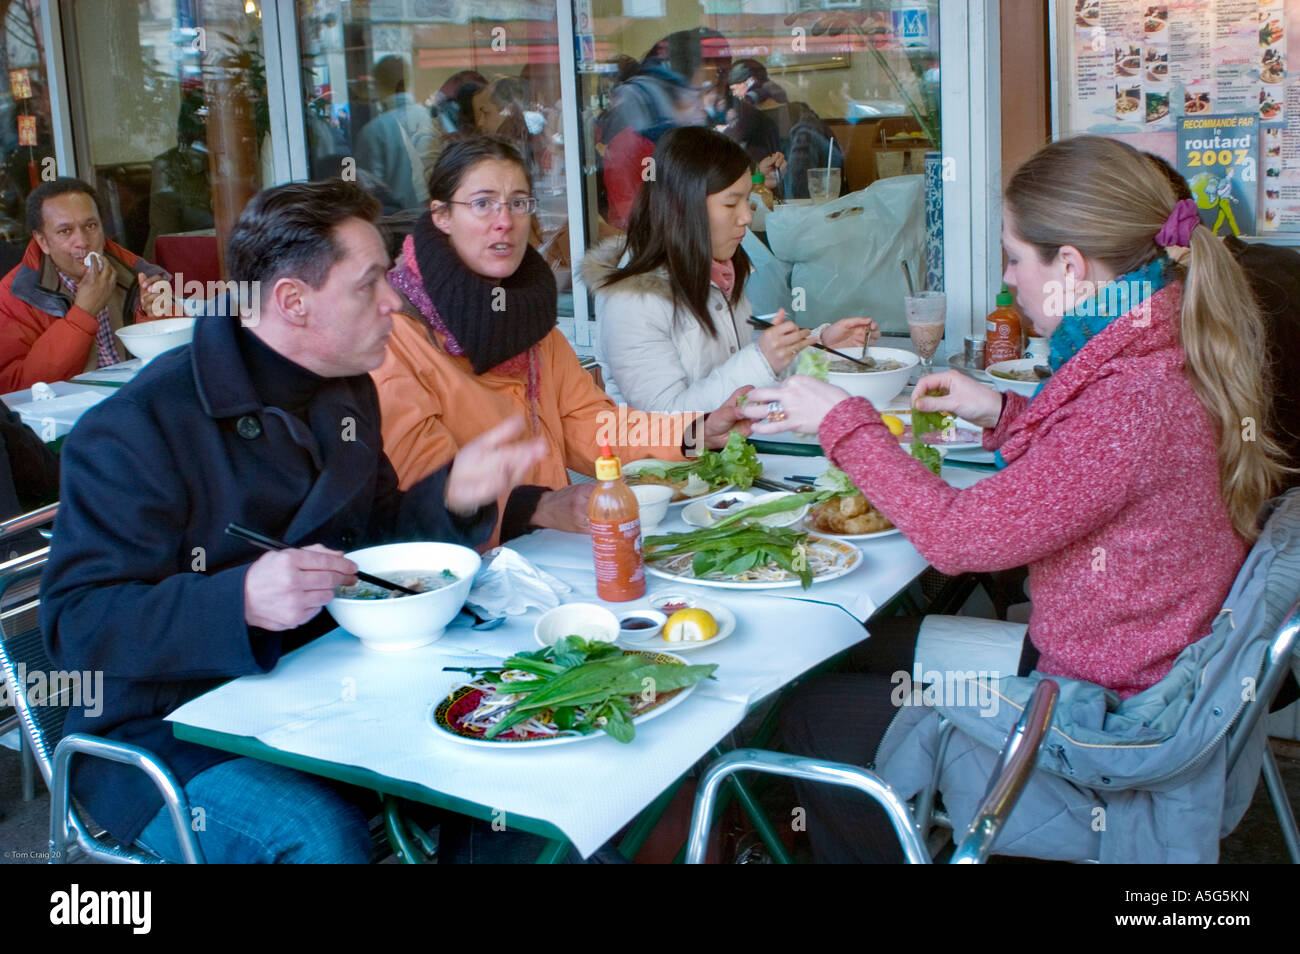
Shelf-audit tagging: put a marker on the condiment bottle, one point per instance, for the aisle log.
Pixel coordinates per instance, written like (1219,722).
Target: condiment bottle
(762,191)
(615,519)
(1002,330)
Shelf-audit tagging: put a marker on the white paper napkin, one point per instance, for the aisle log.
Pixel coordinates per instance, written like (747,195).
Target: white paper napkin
(508,584)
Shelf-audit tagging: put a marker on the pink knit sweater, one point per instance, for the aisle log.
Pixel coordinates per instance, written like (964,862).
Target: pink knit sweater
(1111,496)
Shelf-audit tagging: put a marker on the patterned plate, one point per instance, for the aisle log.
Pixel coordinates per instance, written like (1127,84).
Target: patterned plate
(448,716)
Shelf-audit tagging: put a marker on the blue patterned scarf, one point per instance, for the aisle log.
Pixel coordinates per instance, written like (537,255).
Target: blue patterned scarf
(1091,316)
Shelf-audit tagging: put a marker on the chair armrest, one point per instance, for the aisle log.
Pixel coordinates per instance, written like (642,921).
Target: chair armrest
(1014,766)
(172,793)
(812,770)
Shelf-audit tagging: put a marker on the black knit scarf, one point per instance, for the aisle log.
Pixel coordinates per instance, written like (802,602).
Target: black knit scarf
(491,327)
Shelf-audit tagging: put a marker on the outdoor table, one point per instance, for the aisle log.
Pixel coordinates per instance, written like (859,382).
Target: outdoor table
(337,709)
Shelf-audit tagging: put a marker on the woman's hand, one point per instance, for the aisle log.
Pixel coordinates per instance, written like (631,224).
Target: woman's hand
(804,402)
(850,333)
(491,464)
(782,342)
(717,425)
(978,403)
(564,509)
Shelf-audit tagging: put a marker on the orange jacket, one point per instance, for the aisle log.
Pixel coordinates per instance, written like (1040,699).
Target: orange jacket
(432,403)
(43,335)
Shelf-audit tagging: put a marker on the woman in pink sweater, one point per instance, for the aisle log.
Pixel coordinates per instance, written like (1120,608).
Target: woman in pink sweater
(1130,481)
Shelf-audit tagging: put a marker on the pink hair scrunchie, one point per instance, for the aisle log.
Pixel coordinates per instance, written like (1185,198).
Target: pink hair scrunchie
(1177,230)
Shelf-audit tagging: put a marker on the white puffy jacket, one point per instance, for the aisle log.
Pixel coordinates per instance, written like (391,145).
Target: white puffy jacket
(658,359)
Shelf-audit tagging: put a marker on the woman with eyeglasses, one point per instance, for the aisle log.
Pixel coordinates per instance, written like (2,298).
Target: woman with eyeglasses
(672,318)
(477,343)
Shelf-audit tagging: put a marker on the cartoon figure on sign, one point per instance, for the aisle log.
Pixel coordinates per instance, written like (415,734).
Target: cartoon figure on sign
(1211,192)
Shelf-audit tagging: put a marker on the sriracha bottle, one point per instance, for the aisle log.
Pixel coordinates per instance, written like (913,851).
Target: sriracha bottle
(615,519)
(1003,330)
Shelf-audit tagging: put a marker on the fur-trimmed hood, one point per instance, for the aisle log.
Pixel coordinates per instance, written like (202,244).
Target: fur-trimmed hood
(600,263)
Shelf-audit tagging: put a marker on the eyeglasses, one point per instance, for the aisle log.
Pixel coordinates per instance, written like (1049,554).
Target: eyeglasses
(482,207)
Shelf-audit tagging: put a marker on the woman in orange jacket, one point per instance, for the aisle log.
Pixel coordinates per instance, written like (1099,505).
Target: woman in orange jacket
(479,343)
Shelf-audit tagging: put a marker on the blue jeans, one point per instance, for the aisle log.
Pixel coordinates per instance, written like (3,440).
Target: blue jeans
(246,811)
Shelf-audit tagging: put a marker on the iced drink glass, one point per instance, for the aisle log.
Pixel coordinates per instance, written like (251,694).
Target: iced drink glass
(823,185)
(925,321)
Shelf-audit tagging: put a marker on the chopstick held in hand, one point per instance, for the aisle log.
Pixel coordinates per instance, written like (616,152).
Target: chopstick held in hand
(271,543)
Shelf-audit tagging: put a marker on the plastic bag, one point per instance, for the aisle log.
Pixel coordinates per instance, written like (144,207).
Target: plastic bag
(846,253)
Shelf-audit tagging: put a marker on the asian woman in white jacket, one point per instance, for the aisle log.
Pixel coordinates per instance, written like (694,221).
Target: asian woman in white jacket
(672,317)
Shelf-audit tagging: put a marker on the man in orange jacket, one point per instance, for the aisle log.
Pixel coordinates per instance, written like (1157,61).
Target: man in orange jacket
(60,307)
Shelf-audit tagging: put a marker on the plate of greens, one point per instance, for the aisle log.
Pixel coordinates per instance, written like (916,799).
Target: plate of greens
(563,693)
(734,466)
(740,554)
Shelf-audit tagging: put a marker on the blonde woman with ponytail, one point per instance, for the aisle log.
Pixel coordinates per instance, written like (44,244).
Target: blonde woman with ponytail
(1129,483)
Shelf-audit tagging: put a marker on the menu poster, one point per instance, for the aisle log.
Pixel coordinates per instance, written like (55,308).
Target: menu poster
(1217,157)
(1133,69)
(26,130)
(1280,141)
(20,84)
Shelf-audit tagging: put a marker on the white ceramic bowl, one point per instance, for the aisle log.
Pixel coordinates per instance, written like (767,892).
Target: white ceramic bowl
(878,387)
(407,621)
(719,513)
(591,622)
(148,339)
(653,502)
(654,617)
(1027,388)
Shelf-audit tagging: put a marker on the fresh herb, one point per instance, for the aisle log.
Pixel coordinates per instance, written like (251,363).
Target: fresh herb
(733,546)
(834,483)
(584,686)
(737,463)
(813,362)
(929,422)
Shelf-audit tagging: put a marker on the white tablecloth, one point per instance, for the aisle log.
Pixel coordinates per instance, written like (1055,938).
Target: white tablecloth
(337,701)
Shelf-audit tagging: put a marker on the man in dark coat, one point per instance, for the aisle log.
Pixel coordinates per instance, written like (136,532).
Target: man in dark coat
(273,423)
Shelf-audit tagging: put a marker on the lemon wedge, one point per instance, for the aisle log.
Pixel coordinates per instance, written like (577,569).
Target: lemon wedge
(690,626)
(894,424)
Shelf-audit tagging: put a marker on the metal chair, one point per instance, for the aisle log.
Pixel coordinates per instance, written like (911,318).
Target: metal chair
(9,529)
(22,651)
(1283,656)
(1014,766)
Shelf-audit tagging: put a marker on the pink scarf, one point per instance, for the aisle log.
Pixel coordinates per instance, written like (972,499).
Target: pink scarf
(723,274)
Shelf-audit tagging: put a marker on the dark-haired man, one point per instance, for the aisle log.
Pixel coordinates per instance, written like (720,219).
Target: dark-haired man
(60,308)
(274,426)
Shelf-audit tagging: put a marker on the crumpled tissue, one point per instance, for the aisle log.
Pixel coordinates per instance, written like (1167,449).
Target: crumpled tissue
(508,584)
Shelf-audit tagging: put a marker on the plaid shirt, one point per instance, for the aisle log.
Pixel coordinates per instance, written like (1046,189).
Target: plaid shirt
(105,341)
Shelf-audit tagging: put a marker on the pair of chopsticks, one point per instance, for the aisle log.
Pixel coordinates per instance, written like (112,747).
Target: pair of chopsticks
(270,543)
(866,363)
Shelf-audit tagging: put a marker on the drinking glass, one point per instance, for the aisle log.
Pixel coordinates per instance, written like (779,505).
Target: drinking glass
(823,185)
(925,322)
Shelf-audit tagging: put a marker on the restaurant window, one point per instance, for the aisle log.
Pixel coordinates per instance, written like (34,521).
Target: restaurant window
(26,138)
(385,84)
(172,119)
(848,94)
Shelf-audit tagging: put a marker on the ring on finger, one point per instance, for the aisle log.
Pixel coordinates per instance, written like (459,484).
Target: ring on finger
(775,412)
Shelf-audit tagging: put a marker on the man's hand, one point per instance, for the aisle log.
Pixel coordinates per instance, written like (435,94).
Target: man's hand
(156,295)
(564,509)
(718,425)
(96,286)
(489,465)
(286,588)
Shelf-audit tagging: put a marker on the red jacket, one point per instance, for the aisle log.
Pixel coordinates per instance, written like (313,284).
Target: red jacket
(1110,495)
(43,335)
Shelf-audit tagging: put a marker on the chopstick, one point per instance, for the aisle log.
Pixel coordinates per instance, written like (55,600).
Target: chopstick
(271,543)
(868,363)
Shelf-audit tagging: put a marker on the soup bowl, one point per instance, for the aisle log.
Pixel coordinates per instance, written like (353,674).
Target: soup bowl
(878,387)
(401,621)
